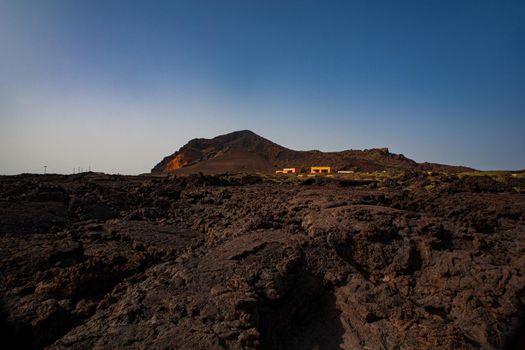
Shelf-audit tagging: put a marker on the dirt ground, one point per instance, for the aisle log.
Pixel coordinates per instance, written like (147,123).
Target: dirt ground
(419,261)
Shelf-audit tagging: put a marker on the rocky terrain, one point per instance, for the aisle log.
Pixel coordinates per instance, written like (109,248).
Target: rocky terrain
(245,151)
(413,261)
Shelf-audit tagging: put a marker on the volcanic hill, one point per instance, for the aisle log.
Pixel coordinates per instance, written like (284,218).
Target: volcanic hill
(245,151)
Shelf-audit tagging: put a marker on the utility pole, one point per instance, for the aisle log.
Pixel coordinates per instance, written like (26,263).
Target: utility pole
(45,169)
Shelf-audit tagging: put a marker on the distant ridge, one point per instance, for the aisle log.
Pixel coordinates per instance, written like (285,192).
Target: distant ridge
(245,151)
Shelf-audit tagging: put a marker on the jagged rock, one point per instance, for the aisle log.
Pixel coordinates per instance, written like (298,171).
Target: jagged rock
(213,262)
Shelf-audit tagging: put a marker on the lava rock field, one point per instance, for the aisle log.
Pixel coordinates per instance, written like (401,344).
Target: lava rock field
(94,261)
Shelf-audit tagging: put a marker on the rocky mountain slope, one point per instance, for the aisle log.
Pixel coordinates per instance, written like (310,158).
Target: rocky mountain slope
(245,151)
(419,261)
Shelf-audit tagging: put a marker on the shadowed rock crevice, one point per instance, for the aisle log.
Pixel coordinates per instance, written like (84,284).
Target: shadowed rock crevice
(14,335)
(306,318)
(516,339)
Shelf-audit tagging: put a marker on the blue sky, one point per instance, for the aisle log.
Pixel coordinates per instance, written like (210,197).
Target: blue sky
(118,84)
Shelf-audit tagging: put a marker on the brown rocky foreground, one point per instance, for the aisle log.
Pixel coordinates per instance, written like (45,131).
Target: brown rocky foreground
(94,261)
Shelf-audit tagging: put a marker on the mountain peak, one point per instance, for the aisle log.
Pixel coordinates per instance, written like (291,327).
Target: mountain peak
(243,133)
(237,134)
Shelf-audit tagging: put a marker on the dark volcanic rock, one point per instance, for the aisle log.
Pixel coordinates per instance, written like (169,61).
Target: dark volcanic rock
(242,262)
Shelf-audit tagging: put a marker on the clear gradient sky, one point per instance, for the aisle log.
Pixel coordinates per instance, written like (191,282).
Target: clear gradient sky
(119,84)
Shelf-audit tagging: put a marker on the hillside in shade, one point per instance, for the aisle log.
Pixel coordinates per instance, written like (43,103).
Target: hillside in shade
(245,151)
